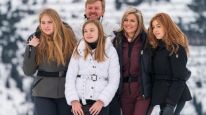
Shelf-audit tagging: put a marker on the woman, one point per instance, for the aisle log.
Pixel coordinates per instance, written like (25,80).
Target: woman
(49,55)
(93,74)
(133,51)
(169,64)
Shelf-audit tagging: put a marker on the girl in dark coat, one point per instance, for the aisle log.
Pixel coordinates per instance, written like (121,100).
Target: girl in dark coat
(168,65)
(49,55)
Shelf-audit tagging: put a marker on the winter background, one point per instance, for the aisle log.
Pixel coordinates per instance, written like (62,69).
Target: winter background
(19,18)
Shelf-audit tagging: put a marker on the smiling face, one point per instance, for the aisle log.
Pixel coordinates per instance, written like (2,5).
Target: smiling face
(94,10)
(47,25)
(158,29)
(130,25)
(90,33)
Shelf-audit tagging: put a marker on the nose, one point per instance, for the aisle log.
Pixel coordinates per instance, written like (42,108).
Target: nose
(92,10)
(87,33)
(128,22)
(47,25)
(154,29)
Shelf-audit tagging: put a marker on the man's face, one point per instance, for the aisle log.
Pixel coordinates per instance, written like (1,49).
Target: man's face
(94,10)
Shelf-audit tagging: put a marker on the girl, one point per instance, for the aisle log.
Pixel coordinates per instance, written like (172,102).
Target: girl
(93,73)
(49,55)
(169,65)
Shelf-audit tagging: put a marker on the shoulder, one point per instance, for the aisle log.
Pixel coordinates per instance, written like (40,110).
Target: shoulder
(181,52)
(118,35)
(110,25)
(180,55)
(66,25)
(109,48)
(81,46)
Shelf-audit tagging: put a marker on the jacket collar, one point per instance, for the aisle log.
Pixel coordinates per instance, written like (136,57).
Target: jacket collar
(82,45)
(120,35)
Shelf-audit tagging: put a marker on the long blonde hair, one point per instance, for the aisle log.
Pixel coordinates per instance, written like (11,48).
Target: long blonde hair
(58,46)
(139,18)
(100,49)
(173,35)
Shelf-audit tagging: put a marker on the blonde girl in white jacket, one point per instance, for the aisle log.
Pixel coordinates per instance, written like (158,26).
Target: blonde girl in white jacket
(93,74)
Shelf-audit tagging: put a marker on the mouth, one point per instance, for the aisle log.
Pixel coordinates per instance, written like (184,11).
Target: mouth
(89,37)
(93,15)
(47,29)
(157,34)
(129,27)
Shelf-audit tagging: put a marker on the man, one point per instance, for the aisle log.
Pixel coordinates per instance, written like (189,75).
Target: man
(94,10)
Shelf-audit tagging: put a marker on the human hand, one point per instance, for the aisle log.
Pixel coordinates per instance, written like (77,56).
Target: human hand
(168,110)
(77,108)
(96,107)
(34,41)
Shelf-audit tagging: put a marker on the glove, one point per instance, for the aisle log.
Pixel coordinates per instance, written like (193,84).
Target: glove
(168,110)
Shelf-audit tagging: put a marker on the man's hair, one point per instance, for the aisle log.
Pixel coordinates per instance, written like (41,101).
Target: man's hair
(92,1)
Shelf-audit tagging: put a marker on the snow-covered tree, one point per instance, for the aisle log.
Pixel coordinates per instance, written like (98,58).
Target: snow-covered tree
(13,93)
(197,28)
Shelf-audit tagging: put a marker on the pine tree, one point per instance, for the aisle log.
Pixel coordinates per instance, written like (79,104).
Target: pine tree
(198,6)
(9,38)
(10,16)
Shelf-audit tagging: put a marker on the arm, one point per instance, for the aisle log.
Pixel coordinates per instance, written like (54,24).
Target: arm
(113,79)
(70,87)
(29,64)
(178,68)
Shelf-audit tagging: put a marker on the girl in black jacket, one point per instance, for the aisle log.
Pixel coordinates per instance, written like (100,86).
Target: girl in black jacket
(168,65)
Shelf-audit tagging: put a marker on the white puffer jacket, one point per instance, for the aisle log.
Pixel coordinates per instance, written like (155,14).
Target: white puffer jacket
(103,86)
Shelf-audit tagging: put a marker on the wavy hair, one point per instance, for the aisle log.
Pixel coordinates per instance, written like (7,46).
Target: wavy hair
(139,18)
(173,35)
(59,46)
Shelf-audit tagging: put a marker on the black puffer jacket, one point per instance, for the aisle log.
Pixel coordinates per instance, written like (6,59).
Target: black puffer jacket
(145,61)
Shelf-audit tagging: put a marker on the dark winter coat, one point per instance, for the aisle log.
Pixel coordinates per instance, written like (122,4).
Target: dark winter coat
(51,87)
(169,72)
(144,77)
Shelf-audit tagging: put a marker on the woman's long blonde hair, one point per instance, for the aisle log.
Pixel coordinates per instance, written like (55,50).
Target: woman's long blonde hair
(139,18)
(173,35)
(59,46)
(99,55)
